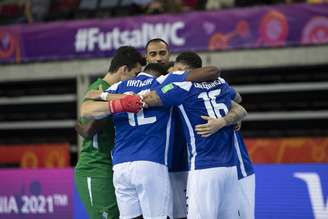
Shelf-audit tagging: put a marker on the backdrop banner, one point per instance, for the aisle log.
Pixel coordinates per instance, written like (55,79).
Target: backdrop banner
(256,27)
(36,194)
(284,191)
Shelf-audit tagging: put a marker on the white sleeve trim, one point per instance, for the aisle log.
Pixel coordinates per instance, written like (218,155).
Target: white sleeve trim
(222,80)
(113,87)
(178,72)
(186,85)
(161,78)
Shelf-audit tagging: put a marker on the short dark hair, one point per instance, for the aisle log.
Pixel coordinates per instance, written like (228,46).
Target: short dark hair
(170,64)
(156,68)
(190,58)
(157,40)
(126,55)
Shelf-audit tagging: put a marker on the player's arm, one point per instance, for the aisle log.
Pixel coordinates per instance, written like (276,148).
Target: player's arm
(101,95)
(208,73)
(90,128)
(237,98)
(151,99)
(235,95)
(96,105)
(169,95)
(235,115)
(93,126)
(99,109)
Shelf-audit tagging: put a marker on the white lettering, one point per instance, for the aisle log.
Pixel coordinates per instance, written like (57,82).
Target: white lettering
(319,205)
(92,36)
(138,83)
(104,41)
(8,205)
(207,85)
(90,39)
(176,40)
(116,36)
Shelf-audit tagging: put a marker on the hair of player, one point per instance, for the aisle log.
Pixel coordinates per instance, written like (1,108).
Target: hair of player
(156,68)
(169,65)
(190,58)
(126,55)
(157,40)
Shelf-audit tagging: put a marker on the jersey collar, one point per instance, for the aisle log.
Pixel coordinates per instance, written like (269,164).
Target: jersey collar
(145,74)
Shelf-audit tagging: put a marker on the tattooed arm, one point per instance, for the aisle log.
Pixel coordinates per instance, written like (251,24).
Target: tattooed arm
(236,114)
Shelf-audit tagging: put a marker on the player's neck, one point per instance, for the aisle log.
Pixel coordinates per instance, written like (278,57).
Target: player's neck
(111,78)
(152,73)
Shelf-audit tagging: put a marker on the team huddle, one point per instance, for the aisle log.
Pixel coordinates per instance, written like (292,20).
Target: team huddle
(177,151)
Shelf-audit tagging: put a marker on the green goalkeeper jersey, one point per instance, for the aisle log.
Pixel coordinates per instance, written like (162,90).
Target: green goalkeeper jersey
(95,159)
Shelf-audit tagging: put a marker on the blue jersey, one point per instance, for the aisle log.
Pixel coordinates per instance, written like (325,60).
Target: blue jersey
(177,154)
(206,98)
(245,167)
(145,135)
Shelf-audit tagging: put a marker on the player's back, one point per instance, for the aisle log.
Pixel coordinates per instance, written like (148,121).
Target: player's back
(145,135)
(206,98)
(178,154)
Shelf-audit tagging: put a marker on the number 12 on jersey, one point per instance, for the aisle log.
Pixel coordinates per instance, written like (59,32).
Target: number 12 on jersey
(140,119)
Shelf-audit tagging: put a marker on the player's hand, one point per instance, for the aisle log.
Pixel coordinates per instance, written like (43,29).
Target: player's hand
(212,126)
(237,127)
(129,103)
(144,104)
(79,128)
(95,94)
(145,99)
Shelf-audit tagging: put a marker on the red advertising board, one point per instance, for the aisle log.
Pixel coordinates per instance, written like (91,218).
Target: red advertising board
(288,150)
(36,155)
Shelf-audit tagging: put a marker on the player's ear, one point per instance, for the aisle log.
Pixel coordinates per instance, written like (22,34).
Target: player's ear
(146,57)
(123,69)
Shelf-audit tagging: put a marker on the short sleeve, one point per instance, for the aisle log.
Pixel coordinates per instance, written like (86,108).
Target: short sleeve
(114,88)
(231,92)
(177,76)
(173,94)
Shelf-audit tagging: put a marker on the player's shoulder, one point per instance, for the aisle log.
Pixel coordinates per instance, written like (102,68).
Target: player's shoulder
(172,76)
(162,78)
(114,87)
(222,80)
(95,85)
(177,72)
(185,85)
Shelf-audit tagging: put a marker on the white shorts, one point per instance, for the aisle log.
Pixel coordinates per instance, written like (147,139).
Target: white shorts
(247,205)
(179,187)
(213,193)
(142,188)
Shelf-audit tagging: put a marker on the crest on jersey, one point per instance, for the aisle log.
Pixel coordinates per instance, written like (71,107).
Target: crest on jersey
(167,88)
